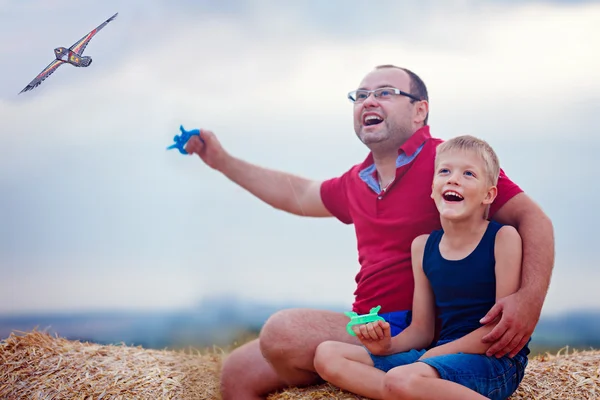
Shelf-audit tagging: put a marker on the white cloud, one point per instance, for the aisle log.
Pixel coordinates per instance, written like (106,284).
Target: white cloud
(522,64)
(84,154)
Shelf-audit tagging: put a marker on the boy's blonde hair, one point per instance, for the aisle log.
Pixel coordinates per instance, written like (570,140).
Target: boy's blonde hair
(479,146)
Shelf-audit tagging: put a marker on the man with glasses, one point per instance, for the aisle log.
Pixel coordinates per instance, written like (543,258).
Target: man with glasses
(387,199)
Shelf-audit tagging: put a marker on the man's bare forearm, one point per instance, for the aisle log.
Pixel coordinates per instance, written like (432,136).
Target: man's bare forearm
(537,233)
(280,190)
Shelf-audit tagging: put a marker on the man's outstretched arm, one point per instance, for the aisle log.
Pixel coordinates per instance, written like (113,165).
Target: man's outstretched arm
(520,311)
(281,190)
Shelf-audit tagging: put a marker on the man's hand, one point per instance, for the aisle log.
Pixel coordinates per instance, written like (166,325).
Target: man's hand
(519,316)
(375,336)
(211,151)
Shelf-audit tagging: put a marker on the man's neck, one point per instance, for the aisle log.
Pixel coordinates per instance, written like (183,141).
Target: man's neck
(386,167)
(385,155)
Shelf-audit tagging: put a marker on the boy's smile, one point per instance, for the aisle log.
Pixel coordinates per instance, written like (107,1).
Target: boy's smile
(460,185)
(452,196)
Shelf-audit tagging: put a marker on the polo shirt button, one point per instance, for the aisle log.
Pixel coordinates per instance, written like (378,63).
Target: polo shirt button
(379,197)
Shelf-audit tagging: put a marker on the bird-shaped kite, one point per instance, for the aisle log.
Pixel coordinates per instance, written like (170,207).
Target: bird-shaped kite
(72,55)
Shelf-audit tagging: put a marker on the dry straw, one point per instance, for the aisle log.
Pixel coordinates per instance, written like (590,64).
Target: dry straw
(35,365)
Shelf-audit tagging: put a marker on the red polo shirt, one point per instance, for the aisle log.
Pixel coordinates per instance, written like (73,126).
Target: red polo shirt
(386,222)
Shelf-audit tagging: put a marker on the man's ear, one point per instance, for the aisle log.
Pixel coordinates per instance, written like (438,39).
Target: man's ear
(491,195)
(422,109)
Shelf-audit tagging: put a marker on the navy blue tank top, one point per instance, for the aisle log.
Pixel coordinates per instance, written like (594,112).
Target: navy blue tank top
(464,290)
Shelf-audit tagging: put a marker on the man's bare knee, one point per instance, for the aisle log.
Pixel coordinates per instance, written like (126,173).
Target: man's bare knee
(282,336)
(276,323)
(293,335)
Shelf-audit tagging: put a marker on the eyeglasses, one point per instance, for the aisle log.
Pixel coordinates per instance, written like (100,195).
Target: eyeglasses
(358,96)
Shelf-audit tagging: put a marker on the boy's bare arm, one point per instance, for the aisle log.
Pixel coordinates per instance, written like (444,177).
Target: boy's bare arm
(508,253)
(420,333)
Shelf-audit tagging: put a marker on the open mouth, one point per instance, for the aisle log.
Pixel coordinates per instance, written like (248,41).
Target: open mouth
(452,196)
(371,119)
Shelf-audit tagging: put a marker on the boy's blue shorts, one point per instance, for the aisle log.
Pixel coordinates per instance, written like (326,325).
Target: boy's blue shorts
(494,378)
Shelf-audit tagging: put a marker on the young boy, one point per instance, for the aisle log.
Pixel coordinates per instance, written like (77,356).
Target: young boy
(459,272)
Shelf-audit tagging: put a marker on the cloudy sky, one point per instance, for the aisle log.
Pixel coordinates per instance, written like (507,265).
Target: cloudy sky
(95,214)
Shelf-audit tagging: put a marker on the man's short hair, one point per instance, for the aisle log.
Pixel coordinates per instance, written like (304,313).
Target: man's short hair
(480,147)
(417,86)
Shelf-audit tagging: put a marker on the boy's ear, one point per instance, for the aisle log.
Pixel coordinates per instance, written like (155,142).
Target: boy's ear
(491,195)
(431,194)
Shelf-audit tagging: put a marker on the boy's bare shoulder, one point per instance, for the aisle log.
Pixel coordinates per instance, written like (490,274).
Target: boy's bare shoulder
(508,234)
(418,243)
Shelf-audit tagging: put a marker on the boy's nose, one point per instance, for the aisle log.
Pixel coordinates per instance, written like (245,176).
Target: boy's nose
(452,180)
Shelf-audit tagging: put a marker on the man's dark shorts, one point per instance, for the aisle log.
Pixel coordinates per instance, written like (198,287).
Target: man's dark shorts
(398,320)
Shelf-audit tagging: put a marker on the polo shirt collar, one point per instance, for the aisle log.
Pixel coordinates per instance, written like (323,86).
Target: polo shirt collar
(415,141)
(406,154)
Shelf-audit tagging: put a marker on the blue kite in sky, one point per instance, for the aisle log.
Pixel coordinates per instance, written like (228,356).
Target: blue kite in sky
(72,55)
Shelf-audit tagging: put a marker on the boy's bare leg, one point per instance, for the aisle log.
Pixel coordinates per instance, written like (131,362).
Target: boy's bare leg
(284,354)
(349,367)
(421,381)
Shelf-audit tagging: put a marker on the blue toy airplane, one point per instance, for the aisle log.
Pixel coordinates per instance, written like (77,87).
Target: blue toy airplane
(181,140)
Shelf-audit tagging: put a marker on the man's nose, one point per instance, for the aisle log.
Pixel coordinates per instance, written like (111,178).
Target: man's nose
(370,101)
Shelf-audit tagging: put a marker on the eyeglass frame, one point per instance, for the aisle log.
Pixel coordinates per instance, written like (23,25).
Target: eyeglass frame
(396,91)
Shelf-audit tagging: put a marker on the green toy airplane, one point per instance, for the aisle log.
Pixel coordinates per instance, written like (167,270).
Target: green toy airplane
(356,319)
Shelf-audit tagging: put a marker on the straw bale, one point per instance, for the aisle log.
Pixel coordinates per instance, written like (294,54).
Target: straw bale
(547,377)
(38,366)
(35,365)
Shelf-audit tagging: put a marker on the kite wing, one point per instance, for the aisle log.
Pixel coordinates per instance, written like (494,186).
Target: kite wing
(80,45)
(53,66)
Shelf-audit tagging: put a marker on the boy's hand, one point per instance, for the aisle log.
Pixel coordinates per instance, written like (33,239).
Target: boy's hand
(375,336)
(210,151)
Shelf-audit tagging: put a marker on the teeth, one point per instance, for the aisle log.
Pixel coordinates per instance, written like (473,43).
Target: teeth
(372,117)
(453,193)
